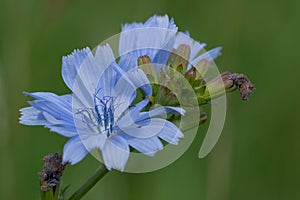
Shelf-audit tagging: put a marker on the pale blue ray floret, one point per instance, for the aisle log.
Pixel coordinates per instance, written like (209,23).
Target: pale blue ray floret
(99,114)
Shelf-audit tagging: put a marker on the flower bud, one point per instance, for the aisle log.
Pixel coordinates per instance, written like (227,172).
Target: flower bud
(146,65)
(179,58)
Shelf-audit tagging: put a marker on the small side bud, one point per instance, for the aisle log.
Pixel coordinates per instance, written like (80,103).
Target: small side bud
(202,68)
(179,58)
(146,65)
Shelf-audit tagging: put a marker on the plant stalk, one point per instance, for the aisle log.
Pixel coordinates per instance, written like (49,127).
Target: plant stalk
(89,184)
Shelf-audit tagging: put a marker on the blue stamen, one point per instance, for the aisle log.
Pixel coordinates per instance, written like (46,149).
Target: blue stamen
(104,112)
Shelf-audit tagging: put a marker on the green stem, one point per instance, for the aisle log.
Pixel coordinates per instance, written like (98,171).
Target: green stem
(98,174)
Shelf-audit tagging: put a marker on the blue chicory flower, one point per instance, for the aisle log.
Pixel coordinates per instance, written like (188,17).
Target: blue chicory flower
(99,113)
(156,38)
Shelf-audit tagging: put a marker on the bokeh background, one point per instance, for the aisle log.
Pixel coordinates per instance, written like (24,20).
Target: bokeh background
(258,154)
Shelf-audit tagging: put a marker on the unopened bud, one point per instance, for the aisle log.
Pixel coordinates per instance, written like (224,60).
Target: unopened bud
(179,58)
(146,65)
(202,67)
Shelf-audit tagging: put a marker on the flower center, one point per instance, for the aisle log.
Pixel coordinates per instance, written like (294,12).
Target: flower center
(101,118)
(104,110)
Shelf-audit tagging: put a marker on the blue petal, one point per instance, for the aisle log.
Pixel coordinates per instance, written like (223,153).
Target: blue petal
(32,117)
(62,130)
(166,109)
(89,71)
(64,101)
(74,151)
(57,106)
(128,61)
(146,128)
(161,112)
(184,38)
(106,83)
(170,133)
(144,39)
(129,118)
(104,56)
(125,89)
(209,56)
(162,56)
(115,153)
(92,141)
(71,65)
(160,22)
(155,127)
(57,121)
(83,69)
(140,80)
(134,77)
(61,127)
(107,76)
(147,146)
(52,111)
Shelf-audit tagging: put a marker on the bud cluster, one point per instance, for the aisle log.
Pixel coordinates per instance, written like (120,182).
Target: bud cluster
(179,75)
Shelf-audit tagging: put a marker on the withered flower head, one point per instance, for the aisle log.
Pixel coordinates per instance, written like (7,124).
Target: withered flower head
(52,171)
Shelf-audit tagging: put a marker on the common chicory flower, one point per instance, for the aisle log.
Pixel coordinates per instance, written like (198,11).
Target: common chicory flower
(99,114)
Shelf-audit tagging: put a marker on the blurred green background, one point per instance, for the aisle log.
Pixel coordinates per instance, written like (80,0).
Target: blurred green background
(258,154)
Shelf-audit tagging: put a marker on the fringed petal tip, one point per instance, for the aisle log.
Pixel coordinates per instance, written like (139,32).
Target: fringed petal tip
(156,21)
(75,52)
(31,117)
(71,64)
(214,53)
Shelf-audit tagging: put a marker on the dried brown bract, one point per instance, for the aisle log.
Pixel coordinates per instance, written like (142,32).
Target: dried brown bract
(245,86)
(52,171)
